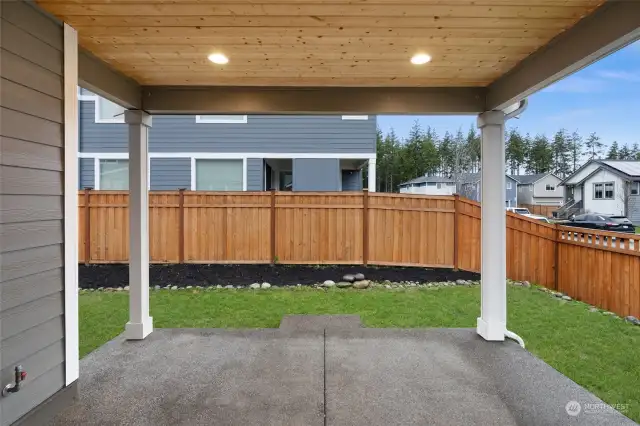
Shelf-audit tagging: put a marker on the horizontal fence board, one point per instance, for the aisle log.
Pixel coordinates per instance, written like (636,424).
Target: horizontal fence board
(598,267)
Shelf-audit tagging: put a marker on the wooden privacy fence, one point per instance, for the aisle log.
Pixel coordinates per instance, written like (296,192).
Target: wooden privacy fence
(267,227)
(546,211)
(601,268)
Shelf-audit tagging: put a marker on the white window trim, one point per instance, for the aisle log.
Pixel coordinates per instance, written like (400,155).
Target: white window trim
(112,156)
(546,188)
(208,120)
(508,184)
(635,186)
(355,117)
(604,190)
(96,110)
(222,157)
(244,156)
(116,120)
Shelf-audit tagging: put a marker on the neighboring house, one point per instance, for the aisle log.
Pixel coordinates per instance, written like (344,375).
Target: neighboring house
(605,186)
(541,189)
(229,152)
(429,185)
(469,187)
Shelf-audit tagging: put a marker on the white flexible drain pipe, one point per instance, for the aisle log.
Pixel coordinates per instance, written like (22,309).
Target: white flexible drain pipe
(513,336)
(519,109)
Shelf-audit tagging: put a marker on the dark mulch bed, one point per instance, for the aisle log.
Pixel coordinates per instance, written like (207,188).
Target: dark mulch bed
(182,275)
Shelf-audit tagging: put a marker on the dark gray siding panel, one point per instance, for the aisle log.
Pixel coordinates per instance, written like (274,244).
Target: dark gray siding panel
(24,99)
(352,180)
(21,263)
(21,71)
(26,235)
(169,174)
(261,133)
(255,174)
(86,177)
(24,289)
(24,317)
(100,137)
(316,174)
(634,209)
(19,125)
(30,208)
(31,200)
(511,195)
(19,153)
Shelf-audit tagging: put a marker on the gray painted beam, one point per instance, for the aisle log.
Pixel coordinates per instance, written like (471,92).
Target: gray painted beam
(98,77)
(611,27)
(325,100)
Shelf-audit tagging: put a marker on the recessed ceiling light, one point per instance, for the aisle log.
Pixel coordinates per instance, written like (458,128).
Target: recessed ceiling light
(420,59)
(218,58)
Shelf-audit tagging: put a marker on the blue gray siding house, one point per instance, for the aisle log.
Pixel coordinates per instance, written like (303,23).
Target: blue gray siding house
(228,152)
(468,183)
(471,188)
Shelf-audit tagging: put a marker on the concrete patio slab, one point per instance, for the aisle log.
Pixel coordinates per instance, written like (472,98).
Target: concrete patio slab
(203,377)
(373,377)
(320,322)
(446,377)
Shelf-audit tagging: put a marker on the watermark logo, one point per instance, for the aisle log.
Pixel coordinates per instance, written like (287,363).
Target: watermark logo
(573,408)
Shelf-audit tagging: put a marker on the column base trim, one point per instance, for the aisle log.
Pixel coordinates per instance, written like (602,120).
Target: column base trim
(492,331)
(138,330)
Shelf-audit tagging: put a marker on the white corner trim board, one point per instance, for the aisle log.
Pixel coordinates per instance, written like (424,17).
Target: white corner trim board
(71,318)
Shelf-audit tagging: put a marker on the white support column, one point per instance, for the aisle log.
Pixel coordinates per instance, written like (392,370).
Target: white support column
(140,324)
(372,175)
(493,314)
(71,330)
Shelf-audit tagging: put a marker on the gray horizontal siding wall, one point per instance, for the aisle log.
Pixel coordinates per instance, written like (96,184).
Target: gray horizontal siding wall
(86,178)
(261,133)
(31,206)
(255,174)
(634,209)
(316,174)
(169,174)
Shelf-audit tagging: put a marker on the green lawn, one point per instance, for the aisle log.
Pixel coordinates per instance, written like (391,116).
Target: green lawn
(599,352)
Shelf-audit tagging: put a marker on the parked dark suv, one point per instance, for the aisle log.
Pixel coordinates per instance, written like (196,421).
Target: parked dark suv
(603,222)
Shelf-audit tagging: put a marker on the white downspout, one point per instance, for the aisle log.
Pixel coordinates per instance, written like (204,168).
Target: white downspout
(521,108)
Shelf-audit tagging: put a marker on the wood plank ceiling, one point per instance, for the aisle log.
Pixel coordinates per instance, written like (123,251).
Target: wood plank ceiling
(317,42)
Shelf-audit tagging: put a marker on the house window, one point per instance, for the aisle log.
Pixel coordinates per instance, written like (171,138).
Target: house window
(608,191)
(431,184)
(603,191)
(635,188)
(114,175)
(550,187)
(219,175)
(520,188)
(508,184)
(108,112)
(439,186)
(221,119)
(598,189)
(355,117)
